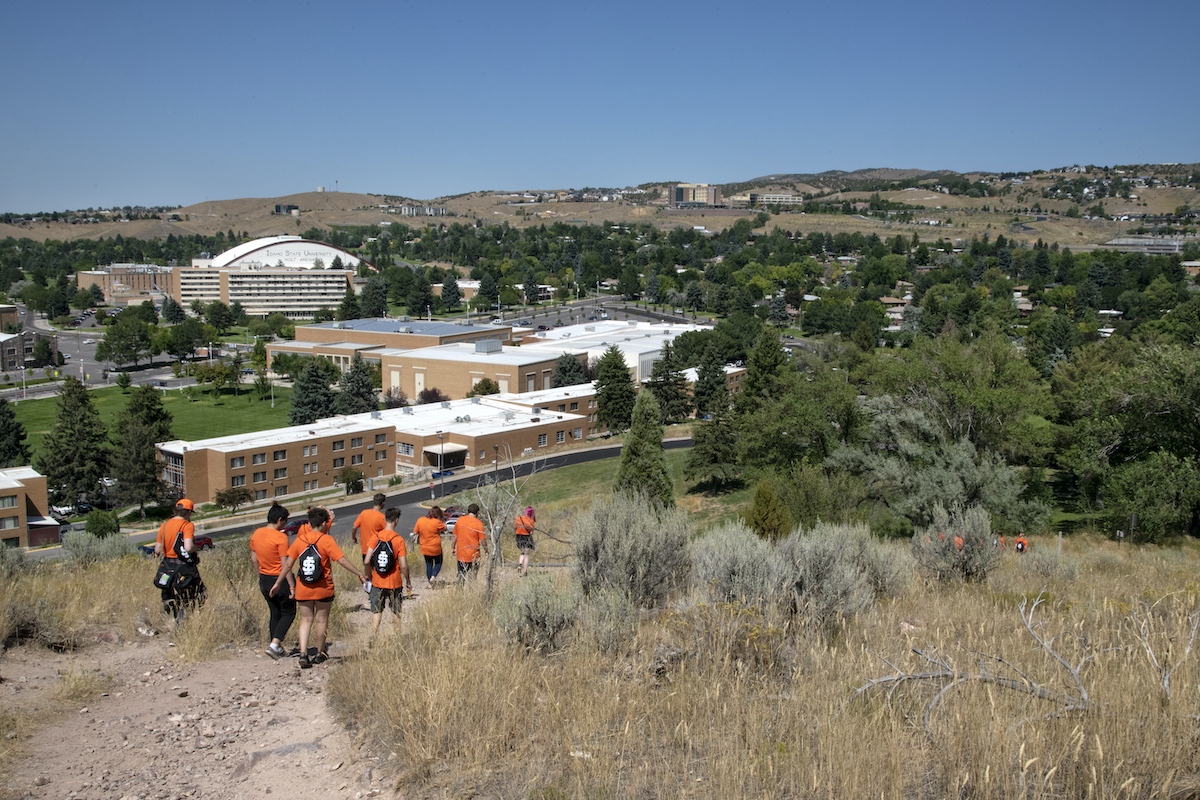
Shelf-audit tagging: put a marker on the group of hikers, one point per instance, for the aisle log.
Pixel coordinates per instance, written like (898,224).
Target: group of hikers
(309,589)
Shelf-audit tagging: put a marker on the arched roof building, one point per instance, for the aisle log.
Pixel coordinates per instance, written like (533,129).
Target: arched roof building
(293,251)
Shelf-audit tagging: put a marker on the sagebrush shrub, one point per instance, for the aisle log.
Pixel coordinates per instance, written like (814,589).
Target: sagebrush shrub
(537,612)
(957,545)
(824,574)
(609,620)
(1046,563)
(84,548)
(632,544)
(12,561)
(732,563)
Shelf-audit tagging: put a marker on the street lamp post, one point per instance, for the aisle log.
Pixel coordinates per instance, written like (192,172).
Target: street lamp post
(22,381)
(210,344)
(496,467)
(442,462)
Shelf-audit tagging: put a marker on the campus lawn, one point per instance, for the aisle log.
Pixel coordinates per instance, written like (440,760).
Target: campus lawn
(201,419)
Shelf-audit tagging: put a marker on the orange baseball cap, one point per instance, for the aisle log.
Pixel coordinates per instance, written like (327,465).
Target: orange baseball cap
(186,504)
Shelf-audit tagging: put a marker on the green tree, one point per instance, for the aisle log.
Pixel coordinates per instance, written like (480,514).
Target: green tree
(374,298)
(567,372)
(356,391)
(615,393)
(349,307)
(483,387)
(643,467)
(172,312)
(233,497)
(312,399)
(711,392)
(669,386)
(135,457)
(124,381)
(420,295)
(74,454)
(713,455)
(101,524)
(630,284)
(768,516)
(13,450)
(767,371)
(43,353)
(126,341)
(451,293)
(219,316)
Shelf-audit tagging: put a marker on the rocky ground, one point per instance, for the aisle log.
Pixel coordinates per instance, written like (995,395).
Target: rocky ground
(243,726)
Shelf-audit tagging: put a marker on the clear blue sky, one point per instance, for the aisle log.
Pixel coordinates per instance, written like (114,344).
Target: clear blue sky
(127,103)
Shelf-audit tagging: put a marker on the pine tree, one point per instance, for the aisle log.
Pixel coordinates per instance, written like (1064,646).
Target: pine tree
(135,459)
(711,392)
(765,370)
(349,308)
(713,455)
(356,391)
(172,312)
(488,287)
(669,386)
(420,295)
(567,372)
(483,387)
(451,294)
(615,394)
(779,315)
(312,399)
(374,299)
(13,450)
(74,454)
(643,467)
(769,516)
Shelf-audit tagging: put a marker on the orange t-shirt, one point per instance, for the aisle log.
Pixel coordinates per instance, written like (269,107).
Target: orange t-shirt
(369,524)
(330,552)
(270,546)
(429,534)
(468,532)
(524,526)
(169,531)
(394,580)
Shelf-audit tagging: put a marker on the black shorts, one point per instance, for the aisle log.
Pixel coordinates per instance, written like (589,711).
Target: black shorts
(384,597)
(525,542)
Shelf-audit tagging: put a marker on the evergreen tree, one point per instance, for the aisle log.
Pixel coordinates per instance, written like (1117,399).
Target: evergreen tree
(669,386)
(451,294)
(482,387)
(711,392)
(356,391)
(567,372)
(374,299)
(74,454)
(643,467)
(488,287)
(630,284)
(713,455)
(172,312)
(135,457)
(13,450)
(654,289)
(312,399)
(779,315)
(768,516)
(420,296)
(615,394)
(238,313)
(766,368)
(349,308)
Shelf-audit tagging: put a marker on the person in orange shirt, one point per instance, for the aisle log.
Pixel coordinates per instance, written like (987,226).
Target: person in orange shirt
(388,589)
(524,533)
(370,522)
(268,549)
(176,544)
(469,539)
(316,598)
(1021,545)
(428,534)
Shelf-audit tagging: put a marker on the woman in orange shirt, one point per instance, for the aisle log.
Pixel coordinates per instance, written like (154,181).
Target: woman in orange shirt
(315,598)
(268,549)
(524,534)
(428,533)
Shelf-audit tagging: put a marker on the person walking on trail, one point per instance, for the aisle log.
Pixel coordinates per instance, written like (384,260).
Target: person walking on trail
(387,569)
(368,525)
(179,573)
(524,533)
(469,539)
(268,549)
(428,533)
(1022,544)
(314,551)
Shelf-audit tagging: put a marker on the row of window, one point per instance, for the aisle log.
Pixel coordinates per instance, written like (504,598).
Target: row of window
(238,462)
(560,437)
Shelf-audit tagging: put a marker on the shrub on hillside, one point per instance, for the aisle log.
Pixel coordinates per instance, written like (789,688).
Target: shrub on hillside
(84,548)
(537,613)
(824,571)
(957,546)
(732,563)
(632,544)
(609,620)
(12,561)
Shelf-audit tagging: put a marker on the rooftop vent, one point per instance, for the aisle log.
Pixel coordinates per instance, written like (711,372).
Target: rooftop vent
(466,417)
(407,410)
(536,411)
(489,346)
(376,415)
(476,400)
(445,404)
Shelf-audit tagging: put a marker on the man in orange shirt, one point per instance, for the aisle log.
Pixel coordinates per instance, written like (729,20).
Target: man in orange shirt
(469,538)
(268,549)
(314,599)
(388,589)
(176,545)
(428,533)
(370,522)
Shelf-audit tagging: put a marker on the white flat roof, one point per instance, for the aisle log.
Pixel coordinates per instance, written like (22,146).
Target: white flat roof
(548,397)
(465,351)
(354,423)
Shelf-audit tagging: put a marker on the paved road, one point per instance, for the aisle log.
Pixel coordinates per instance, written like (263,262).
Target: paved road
(409,501)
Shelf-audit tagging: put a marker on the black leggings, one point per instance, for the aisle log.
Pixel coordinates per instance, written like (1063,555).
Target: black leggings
(283,608)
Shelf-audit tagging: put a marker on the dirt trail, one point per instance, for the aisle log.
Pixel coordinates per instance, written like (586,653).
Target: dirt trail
(244,726)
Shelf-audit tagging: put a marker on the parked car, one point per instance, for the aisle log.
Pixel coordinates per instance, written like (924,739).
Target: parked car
(293,526)
(446,473)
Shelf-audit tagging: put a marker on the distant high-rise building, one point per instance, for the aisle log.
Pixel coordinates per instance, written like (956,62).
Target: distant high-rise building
(683,195)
